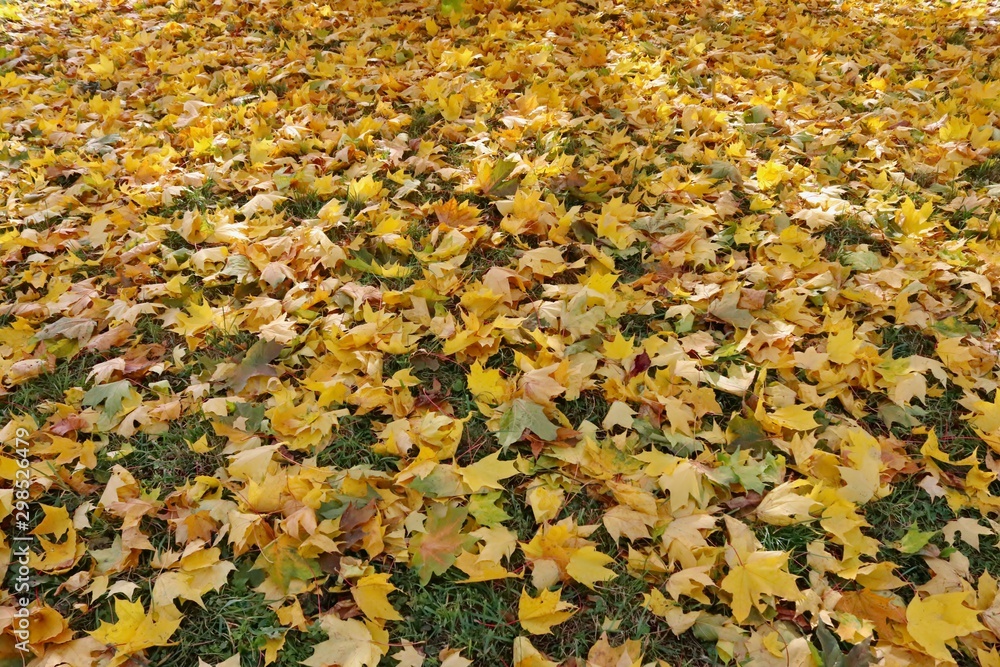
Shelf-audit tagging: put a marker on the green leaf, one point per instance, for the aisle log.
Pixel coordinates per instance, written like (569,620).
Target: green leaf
(499,185)
(484,509)
(860,655)
(442,482)
(283,564)
(588,344)
(752,475)
(757,114)
(861,260)
(747,433)
(914,540)
(449,7)
(111,395)
(256,363)
(952,327)
(831,654)
(524,415)
(435,550)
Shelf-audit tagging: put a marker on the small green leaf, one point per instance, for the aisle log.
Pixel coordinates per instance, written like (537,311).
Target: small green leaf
(256,363)
(433,551)
(831,654)
(524,415)
(484,509)
(914,540)
(111,395)
(861,260)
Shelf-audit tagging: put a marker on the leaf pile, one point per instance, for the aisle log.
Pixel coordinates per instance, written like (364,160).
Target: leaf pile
(316,295)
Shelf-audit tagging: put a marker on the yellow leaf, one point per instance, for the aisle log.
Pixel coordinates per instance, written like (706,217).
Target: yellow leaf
(770,174)
(481,570)
(618,349)
(487,385)
(272,645)
(198,573)
(199,446)
(371,594)
(350,643)
(408,656)
(753,573)
(538,615)
(913,221)
(760,203)
(232,661)
(260,151)
(451,106)
(936,620)
(955,129)
(862,477)
(136,630)
(487,472)
(106,66)
(56,522)
(545,502)
(843,346)
(363,189)
(526,655)
(675,616)
(587,565)
(783,506)
(794,417)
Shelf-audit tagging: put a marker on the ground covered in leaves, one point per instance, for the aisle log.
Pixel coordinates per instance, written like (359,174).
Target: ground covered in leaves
(518,333)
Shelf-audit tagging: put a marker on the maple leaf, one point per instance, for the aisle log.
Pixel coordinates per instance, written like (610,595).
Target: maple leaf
(968,528)
(349,643)
(285,565)
(526,655)
(256,363)
(537,615)
(199,573)
(936,620)
(914,221)
(523,415)
(588,566)
(694,284)
(770,174)
(136,630)
(371,593)
(487,472)
(753,573)
(435,548)
(111,395)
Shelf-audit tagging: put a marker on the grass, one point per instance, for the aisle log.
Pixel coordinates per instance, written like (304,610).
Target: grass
(985,173)
(483,258)
(621,600)
(890,517)
(166,461)
(907,342)
(234,620)
(590,406)
(846,234)
(303,206)
(201,198)
(352,445)
(481,618)
(794,539)
(32,396)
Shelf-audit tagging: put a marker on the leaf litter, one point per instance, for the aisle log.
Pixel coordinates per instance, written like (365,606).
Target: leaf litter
(758,240)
